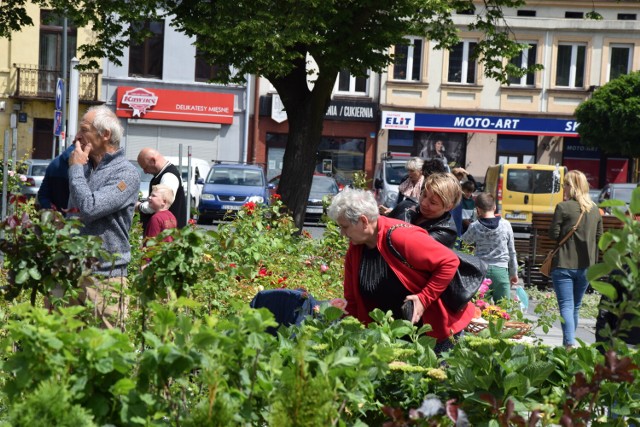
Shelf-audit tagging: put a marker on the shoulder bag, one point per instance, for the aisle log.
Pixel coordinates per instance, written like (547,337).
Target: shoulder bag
(464,285)
(545,268)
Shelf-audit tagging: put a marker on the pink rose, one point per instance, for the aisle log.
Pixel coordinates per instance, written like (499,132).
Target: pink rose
(340,303)
(23,178)
(324,268)
(12,173)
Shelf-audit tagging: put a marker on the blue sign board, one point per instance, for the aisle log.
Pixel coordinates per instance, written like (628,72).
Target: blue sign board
(57,123)
(482,124)
(59,92)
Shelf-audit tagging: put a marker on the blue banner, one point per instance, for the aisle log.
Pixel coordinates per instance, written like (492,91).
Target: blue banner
(485,124)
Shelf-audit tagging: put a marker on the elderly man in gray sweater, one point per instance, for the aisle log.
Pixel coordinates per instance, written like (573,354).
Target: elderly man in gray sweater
(103,187)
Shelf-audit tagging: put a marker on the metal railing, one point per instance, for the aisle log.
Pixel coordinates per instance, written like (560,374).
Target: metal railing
(33,82)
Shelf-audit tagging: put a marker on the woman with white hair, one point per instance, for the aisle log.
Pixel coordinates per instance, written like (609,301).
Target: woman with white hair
(390,262)
(411,185)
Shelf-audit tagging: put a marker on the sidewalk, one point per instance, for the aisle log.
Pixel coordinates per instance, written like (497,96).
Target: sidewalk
(585,331)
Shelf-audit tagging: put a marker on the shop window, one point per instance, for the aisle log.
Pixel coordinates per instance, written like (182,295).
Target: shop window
(525,59)
(570,65)
(462,65)
(146,57)
(516,149)
(344,155)
(346,83)
(621,57)
(408,60)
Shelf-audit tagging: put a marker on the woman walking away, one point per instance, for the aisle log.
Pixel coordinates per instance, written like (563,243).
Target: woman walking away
(376,277)
(569,267)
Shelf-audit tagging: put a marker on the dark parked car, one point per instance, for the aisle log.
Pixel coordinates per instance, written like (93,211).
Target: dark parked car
(616,191)
(322,187)
(228,187)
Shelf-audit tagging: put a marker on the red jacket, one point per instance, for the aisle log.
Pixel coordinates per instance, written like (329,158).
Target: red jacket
(434,265)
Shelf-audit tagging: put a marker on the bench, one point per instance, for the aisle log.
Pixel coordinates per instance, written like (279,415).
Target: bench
(540,244)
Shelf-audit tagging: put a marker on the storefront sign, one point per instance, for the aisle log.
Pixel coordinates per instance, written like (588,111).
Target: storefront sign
(338,110)
(482,124)
(398,120)
(352,111)
(177,105)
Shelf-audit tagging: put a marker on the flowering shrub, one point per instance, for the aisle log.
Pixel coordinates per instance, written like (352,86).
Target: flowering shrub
(493,312)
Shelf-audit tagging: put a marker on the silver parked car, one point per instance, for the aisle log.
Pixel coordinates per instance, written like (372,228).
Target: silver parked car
(34,171)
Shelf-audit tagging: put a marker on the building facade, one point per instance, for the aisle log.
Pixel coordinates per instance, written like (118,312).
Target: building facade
(162,95)
(30,66)
(441,98)
(349,133)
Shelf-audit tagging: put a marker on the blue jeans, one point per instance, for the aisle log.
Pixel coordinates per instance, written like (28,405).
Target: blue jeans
(570,286)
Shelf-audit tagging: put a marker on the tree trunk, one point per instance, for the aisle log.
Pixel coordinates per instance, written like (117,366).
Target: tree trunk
(305,113)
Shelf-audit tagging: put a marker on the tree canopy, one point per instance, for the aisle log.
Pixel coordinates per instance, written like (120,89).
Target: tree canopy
(610,119)
(274,39)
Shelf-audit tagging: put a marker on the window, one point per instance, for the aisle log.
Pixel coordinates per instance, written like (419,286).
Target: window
(146,57)
(620,61)
(205,71)
(346,83)
(570,65)
(50,55)
(526,58)
(626,17)
(574,15)
(526,13)
(462,68)
(408,60)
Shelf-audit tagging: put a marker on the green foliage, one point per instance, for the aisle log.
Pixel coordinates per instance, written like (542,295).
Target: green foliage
(49,405)
(87,361)
(609,119)
(204,358)
(617,277)
(43,251)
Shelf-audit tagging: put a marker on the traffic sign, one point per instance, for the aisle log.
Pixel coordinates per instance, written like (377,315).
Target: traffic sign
(59,92)
(57,123)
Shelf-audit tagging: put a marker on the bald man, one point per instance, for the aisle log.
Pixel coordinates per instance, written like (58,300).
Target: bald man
(164,172)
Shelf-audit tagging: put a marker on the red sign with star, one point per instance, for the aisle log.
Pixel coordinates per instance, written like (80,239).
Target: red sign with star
(177,105)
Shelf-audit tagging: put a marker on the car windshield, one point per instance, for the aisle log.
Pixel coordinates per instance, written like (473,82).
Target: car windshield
(533,181)
(623,194)
(323,185)
(395,172)
(38,170)
(235,176)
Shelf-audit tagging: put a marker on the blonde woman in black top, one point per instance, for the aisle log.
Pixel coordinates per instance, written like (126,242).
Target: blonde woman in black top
(569,268)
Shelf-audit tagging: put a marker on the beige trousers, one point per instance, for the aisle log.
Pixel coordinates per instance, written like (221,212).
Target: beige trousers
(105,295)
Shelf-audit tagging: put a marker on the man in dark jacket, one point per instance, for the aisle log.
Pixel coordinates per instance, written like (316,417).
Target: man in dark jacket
(164,172)
(54,190)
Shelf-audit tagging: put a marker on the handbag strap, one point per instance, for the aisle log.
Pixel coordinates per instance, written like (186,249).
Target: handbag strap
(394,250)
(569,234)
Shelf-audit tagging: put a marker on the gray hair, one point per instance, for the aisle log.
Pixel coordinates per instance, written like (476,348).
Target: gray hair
(414,164)
(104,120)
(351,204)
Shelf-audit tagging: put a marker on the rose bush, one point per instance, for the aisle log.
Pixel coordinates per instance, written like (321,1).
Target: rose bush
(194,354)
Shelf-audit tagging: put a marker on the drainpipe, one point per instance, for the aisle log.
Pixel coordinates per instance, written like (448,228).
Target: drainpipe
(256,119)
(247,93)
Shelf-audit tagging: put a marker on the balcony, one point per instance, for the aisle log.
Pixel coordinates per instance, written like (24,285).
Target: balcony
(33,83)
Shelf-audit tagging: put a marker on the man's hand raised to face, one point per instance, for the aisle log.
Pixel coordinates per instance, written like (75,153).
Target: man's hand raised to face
(80,156)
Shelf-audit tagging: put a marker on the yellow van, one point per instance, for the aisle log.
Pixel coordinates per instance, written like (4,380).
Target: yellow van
(522,189)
